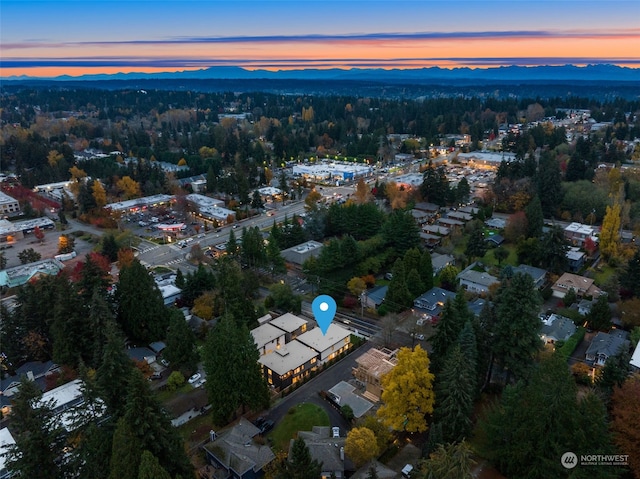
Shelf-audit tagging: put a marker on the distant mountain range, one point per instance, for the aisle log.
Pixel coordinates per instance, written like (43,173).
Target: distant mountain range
(565,73)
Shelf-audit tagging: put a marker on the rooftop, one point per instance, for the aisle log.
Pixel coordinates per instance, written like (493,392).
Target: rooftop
(558,328)
(378,362)
(288,322)
(265,333)
(321,342)
(288,357)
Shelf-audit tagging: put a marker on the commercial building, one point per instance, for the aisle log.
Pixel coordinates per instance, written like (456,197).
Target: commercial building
(8,206)
(300,253)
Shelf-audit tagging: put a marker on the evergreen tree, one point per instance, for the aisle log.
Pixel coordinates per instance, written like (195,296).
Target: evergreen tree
(455,391)
(256,200)
(535,219)
(414,284)
(37,433)
(152,427)
(181,343)
(110,247)
(469,348)
(150,467)
(92,455)
(538,421)
(234,377)
(553,250)
(516,336)
(126,452)
(447,332)
(549,182)
(426,270)
(113,374)
(400,231)
(141,310)
(411,259)
(599,317)
(232,248)
(476,245)
(615,372)
(398,296)
(301,465)
(630,278)
(450,461)
(180,280)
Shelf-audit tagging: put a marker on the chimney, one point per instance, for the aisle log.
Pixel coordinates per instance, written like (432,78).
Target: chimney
(342,453)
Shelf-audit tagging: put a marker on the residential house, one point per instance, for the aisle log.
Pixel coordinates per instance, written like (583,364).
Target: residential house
(290,363)
(451,223)
(472,210)
(476,306)
(430,208)
(420,217)
(374,297)
(460,215)
(497,223)
(430,241)
(236,452)
(300,253)
(581,285)
(538,275)
(36,371)
(494,240)
(557,328)
(336,341)
(327,450)
(292,325)
(575,259)
(476,281)
(433,301)
(577,233)
(584,306)
(6,441)
(605,345)
(157,347)
(268,338)
(436,230)
(440,261)
(371,366)
(141,355)
(170,293)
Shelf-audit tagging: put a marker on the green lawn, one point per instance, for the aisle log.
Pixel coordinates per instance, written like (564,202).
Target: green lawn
(165,394)
(299,418)
(604,274)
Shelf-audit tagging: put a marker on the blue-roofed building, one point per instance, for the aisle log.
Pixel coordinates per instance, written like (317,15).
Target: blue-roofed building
(374,297)
(476,306)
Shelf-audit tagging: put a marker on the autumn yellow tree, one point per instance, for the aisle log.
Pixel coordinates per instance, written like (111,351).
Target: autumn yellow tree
(625,420)
(203,305)
(311,201)
(356,286)
(99,194)
(397,197)
(129,187)
(54,157)
(407,394)
(361,445)
(610,232)
(363,192)
(77,176)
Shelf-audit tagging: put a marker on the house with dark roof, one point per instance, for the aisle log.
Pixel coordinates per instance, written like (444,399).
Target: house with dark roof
(327,450)
(575,259)
(141,355)
(433,301)
(236,452)
(375,296)
(557,328)
(605,345)
(494,240)
(440,261)
(538,275)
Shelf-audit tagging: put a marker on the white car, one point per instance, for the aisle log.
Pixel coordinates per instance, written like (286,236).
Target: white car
(195,378)
(335,431)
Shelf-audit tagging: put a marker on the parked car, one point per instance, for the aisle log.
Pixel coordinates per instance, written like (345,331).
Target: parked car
(266,427)
(195,378)
(259,422)
(155,377)
(335,431)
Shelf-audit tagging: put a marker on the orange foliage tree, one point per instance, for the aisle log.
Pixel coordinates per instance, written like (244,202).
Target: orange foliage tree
(625,420)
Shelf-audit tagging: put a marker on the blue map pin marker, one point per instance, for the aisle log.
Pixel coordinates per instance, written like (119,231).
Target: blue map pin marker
(324,309)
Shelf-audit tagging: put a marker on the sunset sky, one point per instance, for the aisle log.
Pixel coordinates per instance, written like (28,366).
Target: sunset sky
(50,38)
